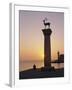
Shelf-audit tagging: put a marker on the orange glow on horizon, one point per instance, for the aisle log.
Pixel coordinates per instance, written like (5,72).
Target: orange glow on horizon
(32,38)
(36,52)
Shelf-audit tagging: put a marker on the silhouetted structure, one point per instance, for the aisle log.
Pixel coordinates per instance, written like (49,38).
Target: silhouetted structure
(60,57)
(58,54)
(47,44)
(34,67)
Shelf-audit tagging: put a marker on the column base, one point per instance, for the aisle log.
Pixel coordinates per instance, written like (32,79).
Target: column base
(48,68)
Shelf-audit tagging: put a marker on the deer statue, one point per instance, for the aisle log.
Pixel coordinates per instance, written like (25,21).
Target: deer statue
(46,23)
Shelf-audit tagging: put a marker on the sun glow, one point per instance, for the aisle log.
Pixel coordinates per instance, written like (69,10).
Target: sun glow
(32,38)
(41,54)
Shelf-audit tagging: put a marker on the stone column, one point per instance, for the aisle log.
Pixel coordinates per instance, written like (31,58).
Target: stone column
(47,47)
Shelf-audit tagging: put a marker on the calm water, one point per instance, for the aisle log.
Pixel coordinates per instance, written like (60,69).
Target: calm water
(24,65)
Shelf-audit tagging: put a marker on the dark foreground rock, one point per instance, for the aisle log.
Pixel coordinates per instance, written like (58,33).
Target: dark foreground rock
(41,73)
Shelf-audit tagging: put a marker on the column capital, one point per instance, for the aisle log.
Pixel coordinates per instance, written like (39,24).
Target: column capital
(47,31)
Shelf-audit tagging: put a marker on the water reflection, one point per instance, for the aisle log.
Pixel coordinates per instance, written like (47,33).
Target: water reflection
(58,65)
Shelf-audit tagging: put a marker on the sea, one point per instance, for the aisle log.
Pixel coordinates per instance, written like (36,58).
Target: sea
(24,65)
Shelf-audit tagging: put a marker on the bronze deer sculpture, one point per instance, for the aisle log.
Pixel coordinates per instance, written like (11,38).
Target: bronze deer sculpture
(46,24)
